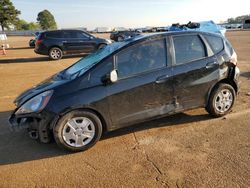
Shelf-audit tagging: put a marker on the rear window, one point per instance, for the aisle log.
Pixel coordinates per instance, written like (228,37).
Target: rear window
(54,35)
(188,48)
(216,43)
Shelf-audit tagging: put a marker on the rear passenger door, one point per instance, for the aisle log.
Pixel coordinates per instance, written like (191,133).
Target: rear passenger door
(195,70)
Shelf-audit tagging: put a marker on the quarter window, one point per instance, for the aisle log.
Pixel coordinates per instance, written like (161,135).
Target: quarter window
(188,48)
(141,58)
(216,43)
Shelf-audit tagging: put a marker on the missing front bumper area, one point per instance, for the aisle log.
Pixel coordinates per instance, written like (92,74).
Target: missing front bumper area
(36,125)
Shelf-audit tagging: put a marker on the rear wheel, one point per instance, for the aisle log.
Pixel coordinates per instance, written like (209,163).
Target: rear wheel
(55,53)
(78,130)
(221,100)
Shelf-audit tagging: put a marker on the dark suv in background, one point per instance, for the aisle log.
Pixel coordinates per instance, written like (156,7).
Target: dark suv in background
(57,43)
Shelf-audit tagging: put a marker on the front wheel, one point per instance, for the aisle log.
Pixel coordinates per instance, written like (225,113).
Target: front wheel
(78,130)
(55,53)
(221,100)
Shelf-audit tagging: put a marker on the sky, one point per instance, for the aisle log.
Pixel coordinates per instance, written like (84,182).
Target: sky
(131,13)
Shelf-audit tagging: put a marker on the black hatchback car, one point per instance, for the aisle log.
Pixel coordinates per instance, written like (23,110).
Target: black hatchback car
(57,43)
(129,82)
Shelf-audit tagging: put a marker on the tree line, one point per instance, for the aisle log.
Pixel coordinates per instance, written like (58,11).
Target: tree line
(9,16)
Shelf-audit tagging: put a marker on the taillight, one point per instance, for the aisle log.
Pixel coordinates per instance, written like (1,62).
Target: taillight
(233,58)
(38,42)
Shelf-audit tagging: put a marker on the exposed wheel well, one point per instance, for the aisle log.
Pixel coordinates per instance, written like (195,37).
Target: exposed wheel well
(230,82)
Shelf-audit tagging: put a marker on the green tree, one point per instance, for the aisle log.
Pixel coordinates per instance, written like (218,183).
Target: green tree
(34,26)
(46,20)
(23,25)
(8,14)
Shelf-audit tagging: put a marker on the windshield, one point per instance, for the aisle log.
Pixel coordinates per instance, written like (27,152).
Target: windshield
(86,63)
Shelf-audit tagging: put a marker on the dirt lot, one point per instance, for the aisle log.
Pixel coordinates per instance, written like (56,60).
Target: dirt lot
(185,150)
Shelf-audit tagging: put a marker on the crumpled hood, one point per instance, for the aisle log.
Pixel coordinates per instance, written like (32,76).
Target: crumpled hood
(46,85)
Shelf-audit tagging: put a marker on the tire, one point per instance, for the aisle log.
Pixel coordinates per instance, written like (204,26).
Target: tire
(71,134)
(221,100)
(101,46)
(55,53)
(120,38)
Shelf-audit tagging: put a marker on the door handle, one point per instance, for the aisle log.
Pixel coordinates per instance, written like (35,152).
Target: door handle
(211,65)
(162,79)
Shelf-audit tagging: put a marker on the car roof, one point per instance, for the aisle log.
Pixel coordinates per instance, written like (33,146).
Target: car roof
(64,30)
(169,33)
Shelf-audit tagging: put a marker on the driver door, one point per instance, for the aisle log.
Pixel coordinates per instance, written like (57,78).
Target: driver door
(144,88)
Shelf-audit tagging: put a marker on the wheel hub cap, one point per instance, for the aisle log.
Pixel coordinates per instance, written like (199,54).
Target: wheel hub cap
(55,54)
(223,101)
(78,132)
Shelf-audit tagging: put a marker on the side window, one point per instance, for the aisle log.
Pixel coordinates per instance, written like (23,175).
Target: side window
(247,21)
(188,48)
(54,35)
(216,43)
(142,57)
(78,35)
(102,69)
(67,34)
(83,35)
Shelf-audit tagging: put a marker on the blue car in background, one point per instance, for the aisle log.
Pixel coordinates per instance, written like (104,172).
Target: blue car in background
(206,26)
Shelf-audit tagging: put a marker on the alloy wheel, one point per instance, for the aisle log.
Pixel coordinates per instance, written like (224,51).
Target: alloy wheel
(55,54)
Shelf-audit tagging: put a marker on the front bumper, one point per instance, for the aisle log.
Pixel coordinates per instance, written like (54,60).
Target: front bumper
(237,78)
(37,124)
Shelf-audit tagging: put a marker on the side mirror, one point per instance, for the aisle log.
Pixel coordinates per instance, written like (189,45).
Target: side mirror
(91,37)
(112,77)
